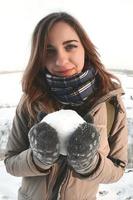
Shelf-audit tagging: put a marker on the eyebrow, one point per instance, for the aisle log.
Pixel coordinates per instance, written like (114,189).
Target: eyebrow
(68,41)
(65,42)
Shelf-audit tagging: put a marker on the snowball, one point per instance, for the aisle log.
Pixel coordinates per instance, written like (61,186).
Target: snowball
(65,122)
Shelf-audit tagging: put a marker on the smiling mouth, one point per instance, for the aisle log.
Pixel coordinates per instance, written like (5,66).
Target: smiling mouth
(64,71)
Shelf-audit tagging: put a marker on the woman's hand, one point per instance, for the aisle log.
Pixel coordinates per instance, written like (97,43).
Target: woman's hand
(44,143)
(82,149)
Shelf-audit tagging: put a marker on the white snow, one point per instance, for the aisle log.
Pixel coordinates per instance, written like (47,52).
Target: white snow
(8,184)
(65,122)
(10,95)
(121,190)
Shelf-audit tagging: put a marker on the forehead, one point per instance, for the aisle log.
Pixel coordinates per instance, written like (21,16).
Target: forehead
(61,31)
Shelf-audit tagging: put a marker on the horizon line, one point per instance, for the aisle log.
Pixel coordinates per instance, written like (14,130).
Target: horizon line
(112,69)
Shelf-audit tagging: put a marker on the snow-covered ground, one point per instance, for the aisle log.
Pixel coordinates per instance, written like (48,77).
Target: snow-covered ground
(10,89)
(8,184)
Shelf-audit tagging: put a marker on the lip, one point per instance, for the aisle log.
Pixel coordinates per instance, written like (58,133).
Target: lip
(63,72)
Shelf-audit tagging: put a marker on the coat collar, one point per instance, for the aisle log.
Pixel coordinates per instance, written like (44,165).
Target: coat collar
(107,97)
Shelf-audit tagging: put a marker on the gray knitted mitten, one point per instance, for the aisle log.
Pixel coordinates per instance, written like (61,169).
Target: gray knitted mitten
(44,143)
(82,149)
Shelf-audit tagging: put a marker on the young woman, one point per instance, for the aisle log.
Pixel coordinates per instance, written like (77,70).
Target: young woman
(64,71)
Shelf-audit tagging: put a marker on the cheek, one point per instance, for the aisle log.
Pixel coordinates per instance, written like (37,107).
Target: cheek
(80,60)
(49,68)
(49,65)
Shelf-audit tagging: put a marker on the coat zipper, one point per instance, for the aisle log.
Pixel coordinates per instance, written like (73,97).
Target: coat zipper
(63,186)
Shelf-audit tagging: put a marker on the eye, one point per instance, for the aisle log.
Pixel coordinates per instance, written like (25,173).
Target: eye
(51,51)
(70,47)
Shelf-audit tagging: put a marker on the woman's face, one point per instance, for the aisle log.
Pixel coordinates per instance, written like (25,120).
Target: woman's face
(65,53)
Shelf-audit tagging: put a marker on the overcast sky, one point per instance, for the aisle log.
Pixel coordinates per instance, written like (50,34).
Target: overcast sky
(109,24)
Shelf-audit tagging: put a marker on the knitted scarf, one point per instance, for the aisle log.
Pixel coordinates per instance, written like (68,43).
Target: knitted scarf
(73,90)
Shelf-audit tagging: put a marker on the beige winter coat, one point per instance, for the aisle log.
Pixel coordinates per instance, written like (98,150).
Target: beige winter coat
(60,179)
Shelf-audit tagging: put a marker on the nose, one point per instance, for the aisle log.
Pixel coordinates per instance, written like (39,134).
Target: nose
(62,59)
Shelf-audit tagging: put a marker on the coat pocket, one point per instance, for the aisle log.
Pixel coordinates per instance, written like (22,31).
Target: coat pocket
(23,196)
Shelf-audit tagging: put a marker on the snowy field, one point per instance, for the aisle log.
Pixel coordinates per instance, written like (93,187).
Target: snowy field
(10,89)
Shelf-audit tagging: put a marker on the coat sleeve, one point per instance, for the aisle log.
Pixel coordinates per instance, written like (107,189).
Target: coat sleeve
(115,148)
(18,156)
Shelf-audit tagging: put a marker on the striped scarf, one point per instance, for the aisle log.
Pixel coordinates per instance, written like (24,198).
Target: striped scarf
(73,90)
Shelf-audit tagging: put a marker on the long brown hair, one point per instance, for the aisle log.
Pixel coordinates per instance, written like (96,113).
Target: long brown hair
(36,95)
